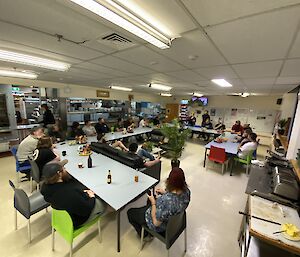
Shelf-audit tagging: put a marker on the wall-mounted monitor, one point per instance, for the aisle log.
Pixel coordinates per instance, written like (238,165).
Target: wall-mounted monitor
(202,99)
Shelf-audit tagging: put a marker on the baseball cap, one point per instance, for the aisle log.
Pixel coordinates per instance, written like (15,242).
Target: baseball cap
(52,168)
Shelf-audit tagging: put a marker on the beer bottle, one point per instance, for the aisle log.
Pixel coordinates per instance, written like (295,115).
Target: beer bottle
(90,163)
(109,177)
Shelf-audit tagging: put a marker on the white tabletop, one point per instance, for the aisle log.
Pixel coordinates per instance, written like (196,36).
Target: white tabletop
(118,135)
(123,188)
(204,130)
(263,208)
(229,146)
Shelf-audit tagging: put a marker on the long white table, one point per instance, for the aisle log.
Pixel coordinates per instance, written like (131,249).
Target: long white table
(119,135)
(123,189)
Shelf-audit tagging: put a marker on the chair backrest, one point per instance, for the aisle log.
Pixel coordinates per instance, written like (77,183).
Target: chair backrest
(153,171)
(250,156)
(217,153)
(63,224)
(21,201)
(176,225)
(35,171)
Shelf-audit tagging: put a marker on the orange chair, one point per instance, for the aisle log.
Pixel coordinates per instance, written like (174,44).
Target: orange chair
(217,154)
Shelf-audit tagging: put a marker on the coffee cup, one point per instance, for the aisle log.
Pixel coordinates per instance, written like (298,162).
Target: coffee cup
(80,165)
(64,153)
(136,178)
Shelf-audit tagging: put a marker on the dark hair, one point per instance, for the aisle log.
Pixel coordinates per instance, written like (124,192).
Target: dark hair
(238,121)
(176,180)
(44,143)
(34,129)
(253,136)
(54,178)
(86,122)
(100,137)
(133,147)
(75,124)
(248,131)
(119,119)
(100,118)
(45,106)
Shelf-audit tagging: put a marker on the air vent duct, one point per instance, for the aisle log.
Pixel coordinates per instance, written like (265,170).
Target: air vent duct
(116,41)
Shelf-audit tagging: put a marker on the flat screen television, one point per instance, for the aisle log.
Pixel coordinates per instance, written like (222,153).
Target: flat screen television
(203,99)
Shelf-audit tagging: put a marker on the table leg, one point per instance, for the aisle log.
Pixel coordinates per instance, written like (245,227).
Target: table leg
(118,230)
(204,157)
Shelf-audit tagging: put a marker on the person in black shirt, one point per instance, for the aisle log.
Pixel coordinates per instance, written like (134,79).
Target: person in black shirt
(56,134)
(156,121)
(48,117)
(120,125)
(139,162)
(65,193)
(205,116)
(101,127)
(44,153)
(75,131)
(220,125)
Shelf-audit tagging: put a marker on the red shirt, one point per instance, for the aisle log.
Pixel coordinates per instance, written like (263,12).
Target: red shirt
(238,128)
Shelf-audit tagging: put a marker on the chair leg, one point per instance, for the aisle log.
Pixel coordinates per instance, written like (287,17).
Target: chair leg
(47,209)
(29,231)
(247,169)
(168,252)
(99,231)
(222,168)
(18,178)
(71,249)
(53,238)
(38,187)
(16,219)
(142,238)
(185,240)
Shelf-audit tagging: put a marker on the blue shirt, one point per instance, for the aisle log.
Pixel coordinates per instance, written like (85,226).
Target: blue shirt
(167,205)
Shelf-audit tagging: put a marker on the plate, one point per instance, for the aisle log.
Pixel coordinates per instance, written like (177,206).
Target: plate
(85,154)
(293,228)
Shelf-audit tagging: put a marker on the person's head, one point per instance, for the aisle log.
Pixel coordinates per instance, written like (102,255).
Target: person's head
(246,125)
(205,111)
(176,180)
(101,120)
(45,107)
(44,143)
(55,127)
(120,120)
(37,132)
(75,125)
(87,123)
(133,147)
(247,132)
(252,136)
(55,172)
(238,123)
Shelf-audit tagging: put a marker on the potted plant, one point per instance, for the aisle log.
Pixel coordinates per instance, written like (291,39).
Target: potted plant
(176,140)
(282,123)
(148,145)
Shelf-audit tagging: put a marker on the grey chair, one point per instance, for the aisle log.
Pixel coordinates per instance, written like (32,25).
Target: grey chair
(35,175)
(27,206)
(176,225)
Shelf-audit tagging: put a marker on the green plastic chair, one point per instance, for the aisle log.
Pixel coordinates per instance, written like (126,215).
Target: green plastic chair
(63,224)
(246,161)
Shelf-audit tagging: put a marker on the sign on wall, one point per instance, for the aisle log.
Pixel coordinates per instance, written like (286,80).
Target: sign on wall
(102,93)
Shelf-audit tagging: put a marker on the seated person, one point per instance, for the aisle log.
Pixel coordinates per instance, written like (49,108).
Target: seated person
(140,163)
(142,152)
(28,146)
(45,153)
(237,128)
(173,200)
(129,123)
(156,121)
(247,126)
(55,133)
(220,125)
(192,120)
(120,125)
(65,193)
(245,137)
(248,147)
(143,122)
(117,143)
(207,124)
(88,129)
(75,131)
(101,127)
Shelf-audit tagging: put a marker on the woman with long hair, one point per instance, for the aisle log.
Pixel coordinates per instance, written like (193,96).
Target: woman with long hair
(174,199)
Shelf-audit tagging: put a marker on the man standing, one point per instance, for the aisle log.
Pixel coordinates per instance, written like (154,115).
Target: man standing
(48,117)
(205,116)
(65,193)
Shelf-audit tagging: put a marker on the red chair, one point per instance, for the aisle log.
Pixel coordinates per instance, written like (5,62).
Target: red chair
(217,154)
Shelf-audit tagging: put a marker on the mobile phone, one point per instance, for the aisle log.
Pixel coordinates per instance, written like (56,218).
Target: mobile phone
(148,192)
(62,143)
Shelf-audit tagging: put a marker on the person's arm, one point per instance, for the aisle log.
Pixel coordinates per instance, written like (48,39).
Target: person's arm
(151,163)
(155,221)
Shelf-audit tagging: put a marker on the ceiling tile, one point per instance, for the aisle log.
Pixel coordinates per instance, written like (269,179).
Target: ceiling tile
(186,75)
(282,88)
(291,68)
(259,81)
(193,50)
(208,12)
(295,50)
(225,72)
(288,80)
(116,63)
(258,69)
(256,38)
(146,57)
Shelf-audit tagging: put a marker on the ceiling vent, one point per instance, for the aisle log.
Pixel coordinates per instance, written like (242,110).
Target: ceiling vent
(116,41)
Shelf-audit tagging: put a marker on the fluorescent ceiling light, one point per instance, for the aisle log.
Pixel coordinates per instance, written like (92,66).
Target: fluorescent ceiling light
(166,94)
(160,87)
(111,16)
(8,56)
(18,74)
(221,82)
(197,94)
(121,88)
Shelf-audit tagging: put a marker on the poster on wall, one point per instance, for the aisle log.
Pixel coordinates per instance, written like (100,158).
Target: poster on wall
(213,112)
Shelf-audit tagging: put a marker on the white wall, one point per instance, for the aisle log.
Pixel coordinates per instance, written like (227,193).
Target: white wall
(294,143)
(288,105)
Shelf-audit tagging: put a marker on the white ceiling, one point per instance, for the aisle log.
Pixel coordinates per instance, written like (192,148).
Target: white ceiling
(254,44)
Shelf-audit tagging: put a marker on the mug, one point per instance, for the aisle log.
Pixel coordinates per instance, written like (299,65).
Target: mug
(64,153)
(80,165)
